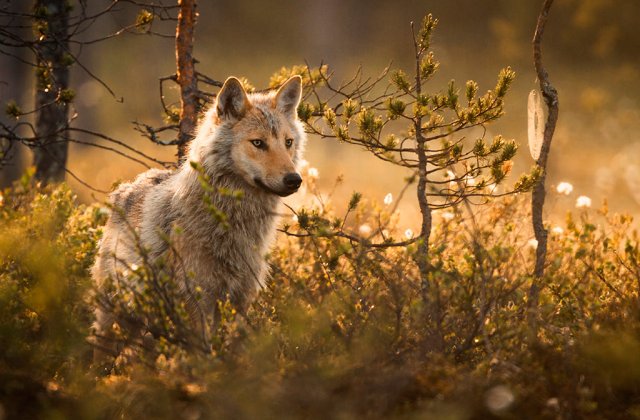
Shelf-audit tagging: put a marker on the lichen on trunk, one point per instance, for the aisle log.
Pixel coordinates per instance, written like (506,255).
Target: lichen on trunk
(52,93)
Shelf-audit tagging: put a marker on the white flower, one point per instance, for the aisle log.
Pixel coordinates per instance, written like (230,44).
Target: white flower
(408,233)
(388,199)
(532,243)
(364,229)
(447,215)
(303,164)
(583,201)
(294,218)
(564,188)
(452,179)
(557,230)
(134,267)
(313,173)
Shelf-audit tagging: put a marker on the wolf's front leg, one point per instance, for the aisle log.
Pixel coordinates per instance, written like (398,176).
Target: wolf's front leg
(105,343)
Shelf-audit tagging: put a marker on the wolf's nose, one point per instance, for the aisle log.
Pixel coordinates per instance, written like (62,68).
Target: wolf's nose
(292,181)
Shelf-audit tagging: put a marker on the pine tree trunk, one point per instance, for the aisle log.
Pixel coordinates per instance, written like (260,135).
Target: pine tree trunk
(19,74)
(52,78)
(186,75)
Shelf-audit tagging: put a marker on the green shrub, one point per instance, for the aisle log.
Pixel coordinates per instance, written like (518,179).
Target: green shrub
(47,244)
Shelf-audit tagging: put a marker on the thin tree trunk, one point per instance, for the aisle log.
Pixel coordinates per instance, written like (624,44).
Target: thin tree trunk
(538,196)
(422,257)
(186,75)
(50,154)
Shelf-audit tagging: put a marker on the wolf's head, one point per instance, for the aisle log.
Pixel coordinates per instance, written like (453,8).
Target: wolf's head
(255,136)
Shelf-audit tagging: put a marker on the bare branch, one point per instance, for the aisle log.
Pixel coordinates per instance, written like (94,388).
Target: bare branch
(538,196)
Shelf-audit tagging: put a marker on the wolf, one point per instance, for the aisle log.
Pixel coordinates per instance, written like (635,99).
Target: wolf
(248,143)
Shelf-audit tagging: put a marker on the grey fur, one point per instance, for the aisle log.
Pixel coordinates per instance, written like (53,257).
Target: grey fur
(224,261)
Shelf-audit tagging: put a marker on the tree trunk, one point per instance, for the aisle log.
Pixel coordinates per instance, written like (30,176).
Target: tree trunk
(422,255)
(538,196)
(50,151)
(186,75)
(15,84)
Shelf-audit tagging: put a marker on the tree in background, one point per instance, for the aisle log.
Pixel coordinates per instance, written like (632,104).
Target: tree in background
(186,75)
(442,142)
(182,119)
(61,29)
(51,48)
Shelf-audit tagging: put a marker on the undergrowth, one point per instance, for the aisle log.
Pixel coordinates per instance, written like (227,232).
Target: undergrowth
(343,329)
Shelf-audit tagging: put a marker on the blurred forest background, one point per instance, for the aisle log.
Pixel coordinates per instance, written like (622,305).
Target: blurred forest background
(591,51)
(451,323)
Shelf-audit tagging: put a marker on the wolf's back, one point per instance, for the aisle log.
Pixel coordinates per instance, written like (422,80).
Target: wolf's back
(118,246)
(129,197)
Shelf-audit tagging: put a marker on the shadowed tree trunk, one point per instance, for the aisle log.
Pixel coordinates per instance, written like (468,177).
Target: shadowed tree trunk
(186,75)
(15,84)
(52,95)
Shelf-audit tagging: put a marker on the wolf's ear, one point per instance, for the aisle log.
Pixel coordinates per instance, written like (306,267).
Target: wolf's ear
(232,100)
(289,94)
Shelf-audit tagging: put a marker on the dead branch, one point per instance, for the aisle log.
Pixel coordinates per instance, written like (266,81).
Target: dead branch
(538,196)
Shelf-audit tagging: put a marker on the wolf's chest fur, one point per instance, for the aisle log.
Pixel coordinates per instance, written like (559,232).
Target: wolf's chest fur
(223,256)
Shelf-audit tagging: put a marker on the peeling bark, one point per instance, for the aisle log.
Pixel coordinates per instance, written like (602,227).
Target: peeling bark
(186,75)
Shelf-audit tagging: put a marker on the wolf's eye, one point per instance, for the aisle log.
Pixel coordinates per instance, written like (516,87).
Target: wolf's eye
(288,143)
(260,144)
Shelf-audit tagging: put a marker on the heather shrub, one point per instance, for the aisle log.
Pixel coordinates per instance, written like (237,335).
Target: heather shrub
(342,330)
(47,244)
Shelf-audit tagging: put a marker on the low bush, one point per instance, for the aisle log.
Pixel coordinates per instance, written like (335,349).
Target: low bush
(344,328)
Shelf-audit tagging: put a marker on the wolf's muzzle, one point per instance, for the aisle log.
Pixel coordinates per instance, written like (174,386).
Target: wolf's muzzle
(289,188)
(292,180)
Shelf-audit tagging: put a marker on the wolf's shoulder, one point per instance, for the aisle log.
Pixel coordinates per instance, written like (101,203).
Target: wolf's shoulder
(131,193)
